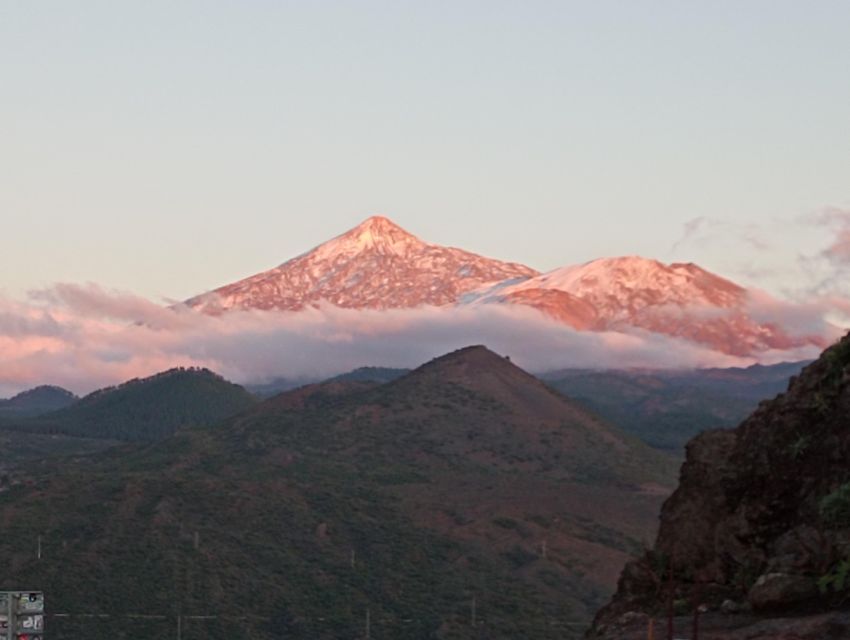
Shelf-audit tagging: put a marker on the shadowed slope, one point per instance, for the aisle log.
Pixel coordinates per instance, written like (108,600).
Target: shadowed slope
(146,409)
(465,478)
(760,517)
(37,401)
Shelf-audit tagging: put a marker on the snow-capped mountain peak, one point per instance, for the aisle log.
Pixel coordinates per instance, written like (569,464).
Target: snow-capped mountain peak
(621,286)
(379,265)
(375,265)
(377,233)
(624,293)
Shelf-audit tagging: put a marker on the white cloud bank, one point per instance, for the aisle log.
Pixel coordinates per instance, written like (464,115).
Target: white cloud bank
(84,337)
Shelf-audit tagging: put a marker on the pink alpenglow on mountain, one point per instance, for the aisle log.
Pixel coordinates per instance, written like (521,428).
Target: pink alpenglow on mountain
(681,300)
(379,265)
(376,265)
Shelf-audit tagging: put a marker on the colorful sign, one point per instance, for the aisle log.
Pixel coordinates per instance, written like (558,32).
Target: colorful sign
(21,615)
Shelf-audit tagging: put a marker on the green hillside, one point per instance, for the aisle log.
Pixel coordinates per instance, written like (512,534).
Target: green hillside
(466,479)
(36,401)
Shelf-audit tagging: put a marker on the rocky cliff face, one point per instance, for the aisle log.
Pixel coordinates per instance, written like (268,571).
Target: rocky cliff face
(760,523)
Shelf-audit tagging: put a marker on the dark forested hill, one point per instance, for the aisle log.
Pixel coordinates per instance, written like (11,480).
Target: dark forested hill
(146,409)
(663,407)
(37,401)
(463,500)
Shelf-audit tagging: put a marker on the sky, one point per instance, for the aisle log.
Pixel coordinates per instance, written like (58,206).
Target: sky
(153,151)
(165,148)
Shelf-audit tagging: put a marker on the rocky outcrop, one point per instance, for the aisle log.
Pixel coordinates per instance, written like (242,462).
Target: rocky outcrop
(761,519)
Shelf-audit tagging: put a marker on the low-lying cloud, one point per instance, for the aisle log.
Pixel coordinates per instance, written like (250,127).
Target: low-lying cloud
(85,337)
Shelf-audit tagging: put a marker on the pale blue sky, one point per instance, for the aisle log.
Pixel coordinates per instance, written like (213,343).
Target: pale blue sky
(167,147)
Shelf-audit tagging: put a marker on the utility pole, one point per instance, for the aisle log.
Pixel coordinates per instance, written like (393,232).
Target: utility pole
(368,624)
(179,627)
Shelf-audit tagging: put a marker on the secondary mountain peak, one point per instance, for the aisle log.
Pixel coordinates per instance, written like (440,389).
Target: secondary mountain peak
(37,400)
(480,371)
(375,265)
(628,292)
(474,366)
(472,357)
(148,408)
(620,285)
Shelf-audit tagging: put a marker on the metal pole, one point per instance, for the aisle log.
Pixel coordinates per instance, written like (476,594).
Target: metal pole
(39,547)
(368,624)
(697,602)
(179,627)
(670,605)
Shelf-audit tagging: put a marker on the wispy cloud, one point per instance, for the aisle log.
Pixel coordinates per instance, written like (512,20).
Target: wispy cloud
(705,231)
(691,230)
(828,269)
(805,259)
(837,222)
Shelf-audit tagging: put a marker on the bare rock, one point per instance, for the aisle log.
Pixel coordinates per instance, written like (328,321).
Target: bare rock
(730,607)
(780,590)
